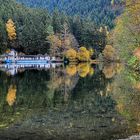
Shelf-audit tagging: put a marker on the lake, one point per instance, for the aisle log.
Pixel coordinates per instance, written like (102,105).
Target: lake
(78,101)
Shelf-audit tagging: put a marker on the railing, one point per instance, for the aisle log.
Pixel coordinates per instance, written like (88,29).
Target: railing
(26,58)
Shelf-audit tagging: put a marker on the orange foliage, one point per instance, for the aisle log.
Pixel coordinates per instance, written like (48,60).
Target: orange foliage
(10,27)
(83,54)
(71,54)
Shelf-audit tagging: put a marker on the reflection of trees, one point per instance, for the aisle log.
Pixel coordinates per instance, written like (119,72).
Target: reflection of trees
(89,105)
(11,95)
(124,89)
(111,69)
(83,69)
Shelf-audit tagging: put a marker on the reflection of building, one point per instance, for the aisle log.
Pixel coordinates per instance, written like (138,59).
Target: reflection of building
(14,68)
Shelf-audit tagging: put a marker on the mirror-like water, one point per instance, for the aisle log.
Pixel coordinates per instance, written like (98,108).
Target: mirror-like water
(83,101)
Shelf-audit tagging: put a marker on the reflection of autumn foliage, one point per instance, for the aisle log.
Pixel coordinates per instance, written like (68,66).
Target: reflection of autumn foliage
(91,71)
(11,95)
(109,71)
(71,70)
(83,69)
(128,106)
(126,98)
(119,67)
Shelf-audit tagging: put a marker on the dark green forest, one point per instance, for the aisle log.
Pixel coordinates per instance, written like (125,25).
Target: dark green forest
(102,12)
(34,25)
(56,27)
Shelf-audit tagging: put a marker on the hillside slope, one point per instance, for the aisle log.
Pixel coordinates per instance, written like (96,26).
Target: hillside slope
(102,12)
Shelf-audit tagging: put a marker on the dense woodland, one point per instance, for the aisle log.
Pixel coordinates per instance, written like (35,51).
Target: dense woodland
(126,35)
(72,28)
(100,11)
(36,29)
(103,96)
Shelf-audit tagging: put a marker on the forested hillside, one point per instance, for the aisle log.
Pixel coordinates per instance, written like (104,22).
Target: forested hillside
(126,35)
(102,12)
(36,31)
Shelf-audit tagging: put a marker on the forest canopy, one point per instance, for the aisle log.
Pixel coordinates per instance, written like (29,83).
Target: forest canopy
(100,11)
(37,30)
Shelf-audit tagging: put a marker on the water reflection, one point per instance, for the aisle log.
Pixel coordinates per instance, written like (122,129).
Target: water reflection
(11,95)
(80,101)
(13,68)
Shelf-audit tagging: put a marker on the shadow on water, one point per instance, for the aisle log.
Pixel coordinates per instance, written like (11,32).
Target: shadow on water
(80,101)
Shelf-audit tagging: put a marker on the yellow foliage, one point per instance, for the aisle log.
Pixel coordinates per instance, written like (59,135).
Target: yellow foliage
(11,29)
(83,69)
(11,95)
(83,54)
(71,54)
(71,70)
(54,41)
(8,51)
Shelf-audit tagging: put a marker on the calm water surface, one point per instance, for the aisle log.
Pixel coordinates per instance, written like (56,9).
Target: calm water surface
(41,102)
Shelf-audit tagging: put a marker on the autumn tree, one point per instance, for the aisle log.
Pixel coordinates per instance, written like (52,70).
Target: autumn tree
(125,36)
(71,54)
(83,54)
(11,29)
(109,52)
(55,44)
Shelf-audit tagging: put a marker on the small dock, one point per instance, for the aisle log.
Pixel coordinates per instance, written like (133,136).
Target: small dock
(14,57)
